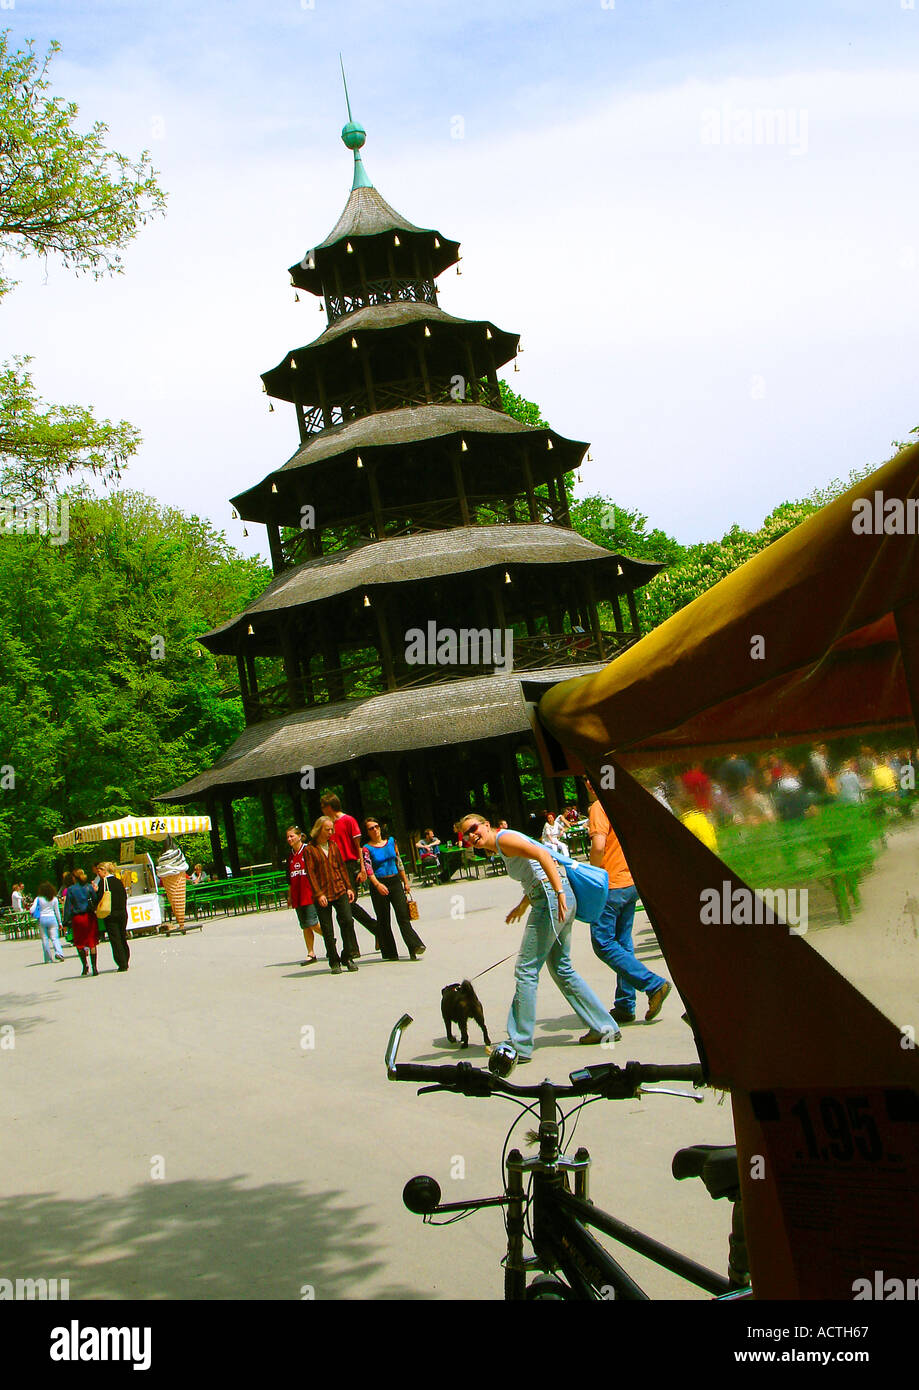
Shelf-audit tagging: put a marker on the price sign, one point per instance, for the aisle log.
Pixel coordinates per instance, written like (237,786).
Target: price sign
(846,1165)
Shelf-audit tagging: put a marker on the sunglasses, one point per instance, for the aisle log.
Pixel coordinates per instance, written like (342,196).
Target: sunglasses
(471,829)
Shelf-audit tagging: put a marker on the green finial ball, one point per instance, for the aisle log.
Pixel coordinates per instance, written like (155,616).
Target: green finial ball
(353,135)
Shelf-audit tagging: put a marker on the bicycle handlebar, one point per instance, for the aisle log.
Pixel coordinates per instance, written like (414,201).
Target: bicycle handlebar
(608,1080)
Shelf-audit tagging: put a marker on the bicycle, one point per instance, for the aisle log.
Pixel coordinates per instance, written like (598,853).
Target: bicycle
(569,1262)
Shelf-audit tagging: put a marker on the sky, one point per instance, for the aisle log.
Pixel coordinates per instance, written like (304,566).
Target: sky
(702,217)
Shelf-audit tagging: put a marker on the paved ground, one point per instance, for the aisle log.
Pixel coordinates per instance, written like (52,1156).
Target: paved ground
(167,1135)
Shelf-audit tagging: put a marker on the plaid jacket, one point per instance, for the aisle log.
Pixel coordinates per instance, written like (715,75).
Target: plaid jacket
(327,873)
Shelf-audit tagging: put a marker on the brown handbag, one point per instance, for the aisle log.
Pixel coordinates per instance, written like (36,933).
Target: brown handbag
(412,907)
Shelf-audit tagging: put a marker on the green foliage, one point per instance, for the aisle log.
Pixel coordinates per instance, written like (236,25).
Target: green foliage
(62,192)
(42,444)
(108,698)
(520,408)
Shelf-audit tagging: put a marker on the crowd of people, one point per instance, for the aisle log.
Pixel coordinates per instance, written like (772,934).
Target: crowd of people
(75,908)
(774,788)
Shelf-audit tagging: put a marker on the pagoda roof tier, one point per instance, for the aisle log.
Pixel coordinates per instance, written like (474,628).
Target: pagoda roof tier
(394,329)
(437,716)
(393,432)
(429,556)
(368,219)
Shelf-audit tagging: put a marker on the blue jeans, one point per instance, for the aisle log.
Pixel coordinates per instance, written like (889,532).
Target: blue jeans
(50,942)
(546,943)
(611,938)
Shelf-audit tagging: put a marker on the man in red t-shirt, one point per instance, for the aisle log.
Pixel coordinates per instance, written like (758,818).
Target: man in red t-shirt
(299,892)
(611,934)
(347,835)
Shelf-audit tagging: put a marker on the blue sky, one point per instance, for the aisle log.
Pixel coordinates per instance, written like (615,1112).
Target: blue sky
(701,217)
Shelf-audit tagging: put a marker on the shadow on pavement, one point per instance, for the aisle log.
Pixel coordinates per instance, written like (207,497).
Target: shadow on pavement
(196,1240)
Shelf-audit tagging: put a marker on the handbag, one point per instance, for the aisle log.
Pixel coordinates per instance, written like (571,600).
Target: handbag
(104,905)
(412,907)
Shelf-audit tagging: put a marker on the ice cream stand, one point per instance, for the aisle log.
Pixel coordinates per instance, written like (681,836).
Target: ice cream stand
(136,870)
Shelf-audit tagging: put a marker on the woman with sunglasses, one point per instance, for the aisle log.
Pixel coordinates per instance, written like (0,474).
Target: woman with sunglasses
(546,936)
(388,886)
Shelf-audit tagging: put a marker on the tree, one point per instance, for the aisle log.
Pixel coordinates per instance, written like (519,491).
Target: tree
(108,698)
(64,194)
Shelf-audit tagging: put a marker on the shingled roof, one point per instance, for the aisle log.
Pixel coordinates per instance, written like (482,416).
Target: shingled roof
(429,555)
(432,716)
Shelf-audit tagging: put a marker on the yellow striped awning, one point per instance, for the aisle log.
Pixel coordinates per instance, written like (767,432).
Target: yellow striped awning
(133,828)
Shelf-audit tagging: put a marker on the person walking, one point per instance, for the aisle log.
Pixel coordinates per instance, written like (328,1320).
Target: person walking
(388,887)
(47,912)
(329,881)
(611,934)
(79,913)
(299,891)
(546,937)
(116,923)
(347,836)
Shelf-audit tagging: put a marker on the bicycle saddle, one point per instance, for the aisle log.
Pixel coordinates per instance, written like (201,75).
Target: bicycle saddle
(715,1164)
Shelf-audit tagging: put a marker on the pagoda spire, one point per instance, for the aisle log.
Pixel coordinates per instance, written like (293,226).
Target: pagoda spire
(354,137)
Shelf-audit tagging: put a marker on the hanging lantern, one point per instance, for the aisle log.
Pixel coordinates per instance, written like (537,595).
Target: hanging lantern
(271,409)
(427,331)
(354,342)
(349,248)
(436,244)
(235,514)
(366,601)
(488,334)
(516,368)
(293,365)
(359,462)
(549,444)
(251,631)
(296,299)
(590,457)
(507,578)
(321,307)
(464,447)
(245,532)
(619,570)
(396,241)
(274,487)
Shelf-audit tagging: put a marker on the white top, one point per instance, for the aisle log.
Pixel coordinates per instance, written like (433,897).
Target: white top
(16,901)
(554,836)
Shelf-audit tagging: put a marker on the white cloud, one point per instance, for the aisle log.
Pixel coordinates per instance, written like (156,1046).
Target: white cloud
(728,325)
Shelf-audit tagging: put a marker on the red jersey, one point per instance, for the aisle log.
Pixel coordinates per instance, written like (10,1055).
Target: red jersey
(301,894)
(343,832)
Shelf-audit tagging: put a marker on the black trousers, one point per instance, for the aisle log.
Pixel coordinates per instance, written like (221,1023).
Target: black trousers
(345,926)
(115,929)
(360,914)
(382,905)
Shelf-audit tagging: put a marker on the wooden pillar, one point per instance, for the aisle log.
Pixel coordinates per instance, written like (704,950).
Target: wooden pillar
(368,379)
(244,684)
(528,484)
(296,799)
(271,823)
(230,827)
(274,547)
(331,661)
(400,826)
(513,798)
(591,607)
(460,485)
(220,868)
(563,497)
(323,395)
(381,610)
(375,503)
(617,612)
(423,368)
(633,611)
(290,662)
(301,422)
(470,367)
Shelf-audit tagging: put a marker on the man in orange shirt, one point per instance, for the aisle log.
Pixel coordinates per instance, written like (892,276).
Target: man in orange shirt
(611,935)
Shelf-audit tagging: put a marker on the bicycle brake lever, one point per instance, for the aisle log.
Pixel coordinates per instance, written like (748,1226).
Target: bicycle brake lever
(661,1091)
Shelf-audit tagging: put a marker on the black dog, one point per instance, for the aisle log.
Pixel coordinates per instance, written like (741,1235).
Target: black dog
(458,1004)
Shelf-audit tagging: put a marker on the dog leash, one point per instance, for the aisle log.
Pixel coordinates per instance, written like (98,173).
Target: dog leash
(493,967)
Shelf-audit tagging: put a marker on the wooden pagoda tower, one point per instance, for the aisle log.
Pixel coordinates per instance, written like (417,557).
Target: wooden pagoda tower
(412,502)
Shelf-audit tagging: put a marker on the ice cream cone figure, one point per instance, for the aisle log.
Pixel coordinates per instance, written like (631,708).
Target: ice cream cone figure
(174,885)
(172,867)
